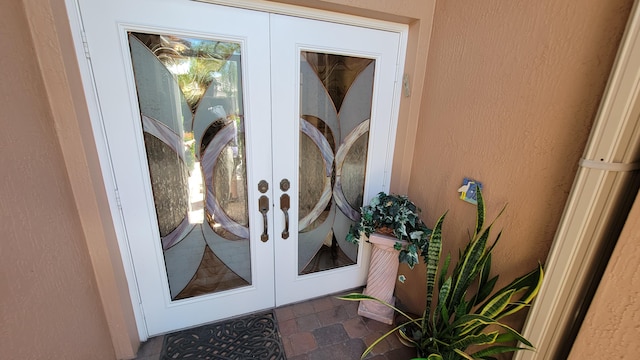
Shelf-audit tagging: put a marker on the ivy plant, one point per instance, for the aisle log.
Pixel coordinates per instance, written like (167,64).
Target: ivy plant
(397,216)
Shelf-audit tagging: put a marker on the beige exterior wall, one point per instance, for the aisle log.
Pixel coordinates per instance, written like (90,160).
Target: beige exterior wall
(507,96)
(511,92)
(610,328)
(49,303)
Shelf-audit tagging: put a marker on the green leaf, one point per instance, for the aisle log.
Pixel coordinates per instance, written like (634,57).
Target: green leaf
(486,290)
(479,339)
(442,297)
(480,211)
(463,354)
(361,297)
(483,320)
(445,268)
(496,349)
(529,284)
(435,248)
(469,268)
(378,340)
(494,307)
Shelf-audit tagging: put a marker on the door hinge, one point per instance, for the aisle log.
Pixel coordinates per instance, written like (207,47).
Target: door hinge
(85,45)
(406,88)
(118,202)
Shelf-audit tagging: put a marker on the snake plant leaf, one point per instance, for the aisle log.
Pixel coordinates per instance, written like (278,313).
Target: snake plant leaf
(461,309)
(494,350)
(494,307)
(431,357)
(463,354)
(479,339)
(378,340)
(486,290)
(444,270)
(361,297)
(532,281)
(486,269)
(509,335)
(441,309)
(469,268)
(491,310)
(408,338)
(528,285)
(435,249)
(480,212)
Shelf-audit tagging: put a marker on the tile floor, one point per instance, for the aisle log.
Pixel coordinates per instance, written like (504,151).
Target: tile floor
(321,329)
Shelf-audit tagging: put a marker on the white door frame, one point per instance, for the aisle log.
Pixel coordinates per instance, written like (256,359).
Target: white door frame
(100,139)
(609,162)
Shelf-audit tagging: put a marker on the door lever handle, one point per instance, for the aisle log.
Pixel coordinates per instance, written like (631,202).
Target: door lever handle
(263,205)
(284,206)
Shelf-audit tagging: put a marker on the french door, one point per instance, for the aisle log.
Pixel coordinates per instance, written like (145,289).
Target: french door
(242,145)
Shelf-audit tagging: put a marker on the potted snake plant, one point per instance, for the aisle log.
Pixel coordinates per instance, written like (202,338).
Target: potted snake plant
(391,223)
(460,311)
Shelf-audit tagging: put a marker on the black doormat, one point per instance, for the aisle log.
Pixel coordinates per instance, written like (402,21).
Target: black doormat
(251,337)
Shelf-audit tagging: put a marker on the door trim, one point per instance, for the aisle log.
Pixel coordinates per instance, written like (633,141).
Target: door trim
(99,136)
(313,14)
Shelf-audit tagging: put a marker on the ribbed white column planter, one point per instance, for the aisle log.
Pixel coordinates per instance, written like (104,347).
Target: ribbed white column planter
(381,281)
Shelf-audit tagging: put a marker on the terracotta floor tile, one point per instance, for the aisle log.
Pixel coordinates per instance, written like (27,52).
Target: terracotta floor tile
(355,348)
(299,357)
(322,304)
(288,327)
(381,347)
(333,316)
(301,309)
(288,349)
(375,325)
(343,351)
(351,307)
(307,322)
(355,328)
(401,353)
(151,347)
(302,343)
(330,335)
(284,313)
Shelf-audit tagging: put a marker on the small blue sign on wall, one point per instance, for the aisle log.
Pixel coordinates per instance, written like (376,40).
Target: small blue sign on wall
(469,189)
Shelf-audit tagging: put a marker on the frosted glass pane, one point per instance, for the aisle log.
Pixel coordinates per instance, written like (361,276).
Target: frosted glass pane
(335,107)
(189,93)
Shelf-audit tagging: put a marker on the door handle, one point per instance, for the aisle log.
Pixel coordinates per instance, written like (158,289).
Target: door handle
(263,205)
(284,206)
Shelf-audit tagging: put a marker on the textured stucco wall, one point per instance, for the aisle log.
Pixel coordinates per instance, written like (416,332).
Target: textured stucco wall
(49,305)
(511,91)
(610,328)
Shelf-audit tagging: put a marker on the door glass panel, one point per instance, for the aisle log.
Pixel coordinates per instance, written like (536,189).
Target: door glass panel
(190,96)
(335,107)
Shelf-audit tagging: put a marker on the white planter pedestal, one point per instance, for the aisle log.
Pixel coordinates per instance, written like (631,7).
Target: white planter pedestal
(381,280)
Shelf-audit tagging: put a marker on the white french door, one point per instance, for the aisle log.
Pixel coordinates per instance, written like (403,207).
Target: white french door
(242,145)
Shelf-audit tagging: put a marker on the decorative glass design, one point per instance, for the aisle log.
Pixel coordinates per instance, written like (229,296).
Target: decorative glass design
(335,107)
(190,96)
